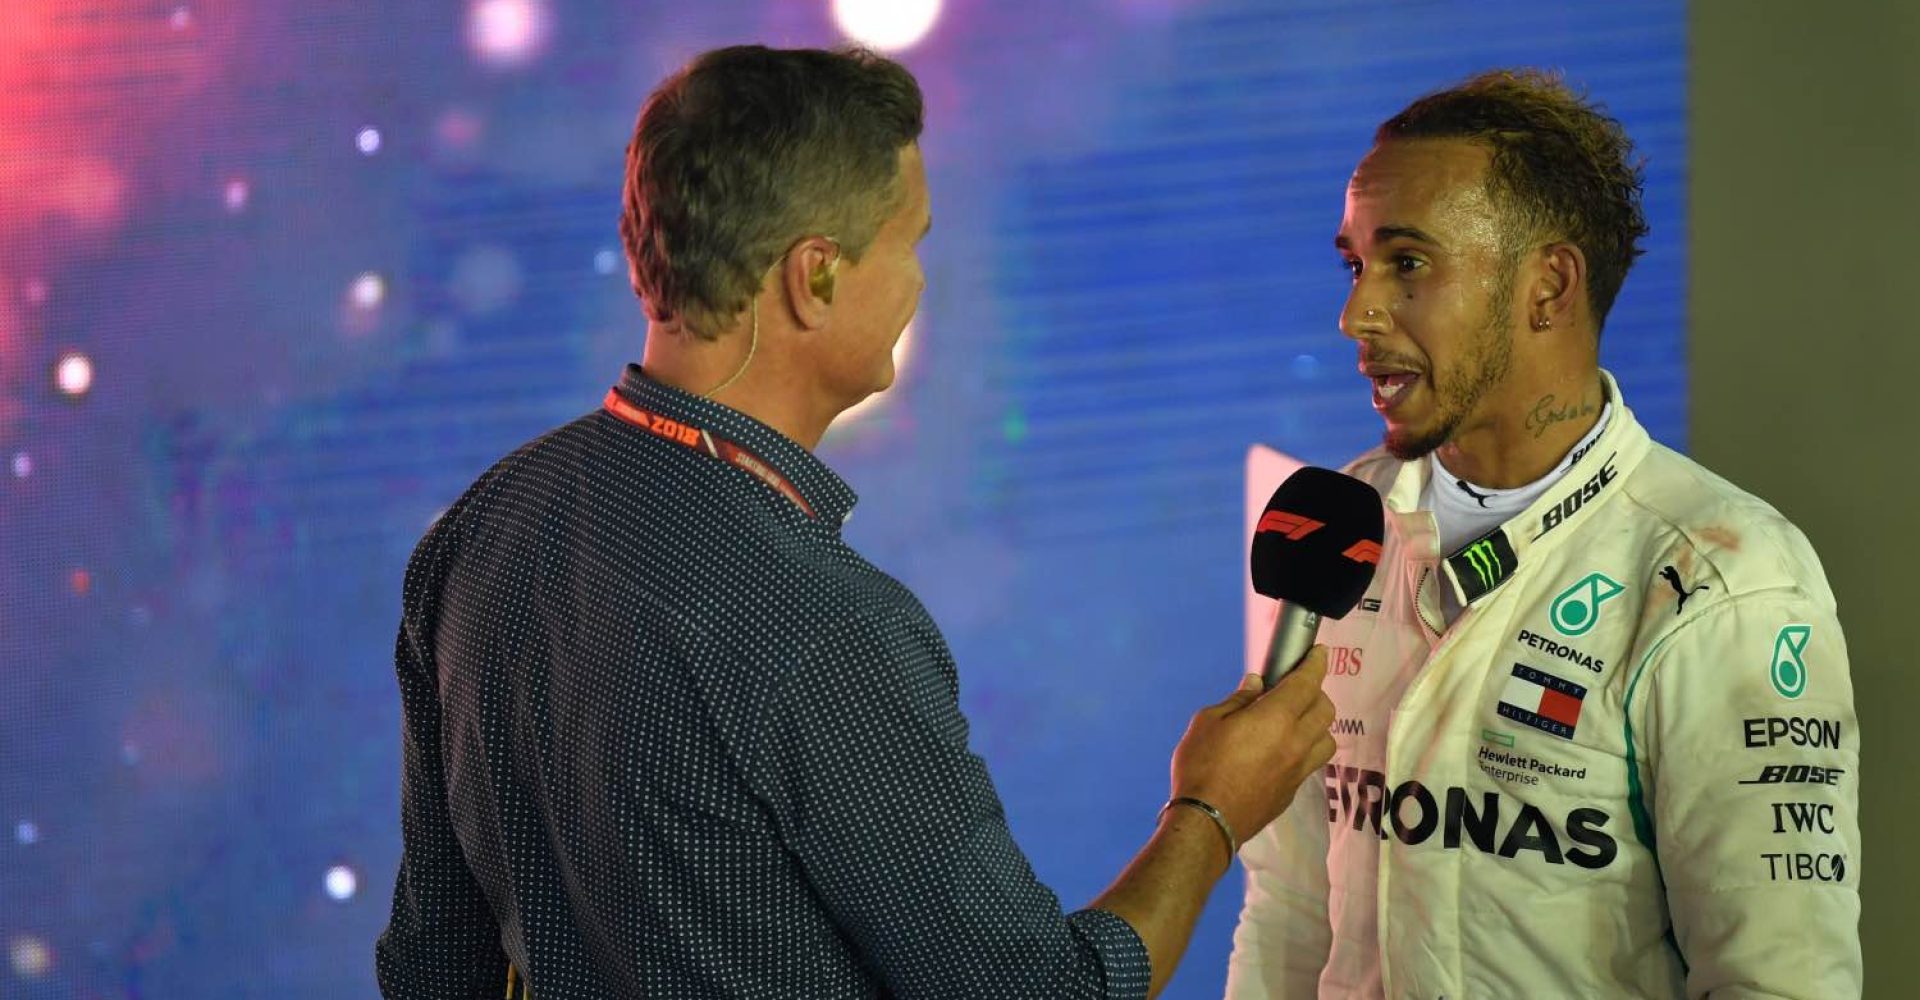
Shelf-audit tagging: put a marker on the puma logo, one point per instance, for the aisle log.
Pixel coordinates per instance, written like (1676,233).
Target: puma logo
(1672,576)
(1468,490)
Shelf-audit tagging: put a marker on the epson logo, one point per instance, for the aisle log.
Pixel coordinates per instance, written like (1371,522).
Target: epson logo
(1807,732)
(1359,798)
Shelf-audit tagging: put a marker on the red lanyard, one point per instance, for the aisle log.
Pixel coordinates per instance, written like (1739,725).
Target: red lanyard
(706,443)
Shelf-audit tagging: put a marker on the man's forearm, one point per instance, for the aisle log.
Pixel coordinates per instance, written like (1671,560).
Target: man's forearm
(1164,888)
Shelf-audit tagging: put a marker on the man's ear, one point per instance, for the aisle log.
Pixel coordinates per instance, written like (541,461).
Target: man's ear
(810,274)
(1559,286)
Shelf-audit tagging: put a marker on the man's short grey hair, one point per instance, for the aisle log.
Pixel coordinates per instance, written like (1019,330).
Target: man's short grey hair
(748,150)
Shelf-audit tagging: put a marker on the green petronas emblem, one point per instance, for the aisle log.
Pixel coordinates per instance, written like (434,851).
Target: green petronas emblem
(1577,609)
(1789,660)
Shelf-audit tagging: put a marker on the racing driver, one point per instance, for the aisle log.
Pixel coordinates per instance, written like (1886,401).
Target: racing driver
(1595,728)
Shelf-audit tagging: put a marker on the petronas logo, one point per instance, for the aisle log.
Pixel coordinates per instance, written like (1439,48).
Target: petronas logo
(1789,660)
(1577,608)
(1485,562)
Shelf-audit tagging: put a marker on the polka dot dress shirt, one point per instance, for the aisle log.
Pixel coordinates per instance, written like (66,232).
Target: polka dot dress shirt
(668,736)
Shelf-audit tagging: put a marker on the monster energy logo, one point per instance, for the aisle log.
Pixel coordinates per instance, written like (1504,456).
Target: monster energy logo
(1483,565)
(1485,562)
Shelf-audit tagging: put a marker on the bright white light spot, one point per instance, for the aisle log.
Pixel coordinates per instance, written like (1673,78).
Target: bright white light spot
(235,194)
(368,290)
(342,882)
(30,956)
(507,33)
(74,374)
(887,25)
(26,832)
(181,19)
(605,262)
(367,140)
(22,465)
(902,351)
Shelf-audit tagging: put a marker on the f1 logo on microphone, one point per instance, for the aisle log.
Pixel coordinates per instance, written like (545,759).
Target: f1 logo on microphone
(1294,526)
(1364,551)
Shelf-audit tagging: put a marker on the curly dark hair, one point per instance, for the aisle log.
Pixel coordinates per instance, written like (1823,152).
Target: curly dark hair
(748,149)
(1561,170)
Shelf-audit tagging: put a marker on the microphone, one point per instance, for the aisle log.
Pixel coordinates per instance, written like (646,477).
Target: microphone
(1314,550)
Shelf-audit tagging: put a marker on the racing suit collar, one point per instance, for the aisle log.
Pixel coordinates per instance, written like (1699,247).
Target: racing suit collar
(1482,565)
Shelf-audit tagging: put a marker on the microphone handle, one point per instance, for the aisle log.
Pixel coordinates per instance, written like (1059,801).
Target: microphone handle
(1294,629)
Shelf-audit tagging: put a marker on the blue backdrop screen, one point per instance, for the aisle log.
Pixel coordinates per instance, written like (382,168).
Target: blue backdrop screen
(278,279)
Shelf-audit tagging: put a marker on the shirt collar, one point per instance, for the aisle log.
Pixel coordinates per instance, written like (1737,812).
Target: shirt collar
(829,495)
(1484,564)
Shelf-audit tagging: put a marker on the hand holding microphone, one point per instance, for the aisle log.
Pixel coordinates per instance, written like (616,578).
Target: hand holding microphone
(1246,756)
(1243,760)
(1314,549)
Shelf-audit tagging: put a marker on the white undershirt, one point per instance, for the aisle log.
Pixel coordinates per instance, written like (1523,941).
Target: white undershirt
(1461,517)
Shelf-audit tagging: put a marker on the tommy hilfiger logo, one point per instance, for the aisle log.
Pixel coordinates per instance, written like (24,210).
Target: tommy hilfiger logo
(1541,700)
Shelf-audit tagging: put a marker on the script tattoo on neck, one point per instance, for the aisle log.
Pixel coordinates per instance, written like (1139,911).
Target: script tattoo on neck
(1545,414)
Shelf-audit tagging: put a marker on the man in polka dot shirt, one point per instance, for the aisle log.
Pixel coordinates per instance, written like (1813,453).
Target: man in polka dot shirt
(665,733)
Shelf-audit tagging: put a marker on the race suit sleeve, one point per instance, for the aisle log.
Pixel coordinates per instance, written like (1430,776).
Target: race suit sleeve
(1284,936)
(1751,778)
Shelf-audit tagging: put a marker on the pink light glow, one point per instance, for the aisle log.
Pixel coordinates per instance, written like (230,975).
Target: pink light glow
(74,374)
(887,25)
(507,33)
(235,194)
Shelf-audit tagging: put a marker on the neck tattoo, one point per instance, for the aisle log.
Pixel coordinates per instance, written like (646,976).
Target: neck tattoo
(1546,413)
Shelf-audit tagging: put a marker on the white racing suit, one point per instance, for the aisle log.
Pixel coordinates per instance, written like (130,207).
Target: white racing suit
(1629,768)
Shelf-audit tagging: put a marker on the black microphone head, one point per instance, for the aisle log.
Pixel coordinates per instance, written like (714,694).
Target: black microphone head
(1318,541)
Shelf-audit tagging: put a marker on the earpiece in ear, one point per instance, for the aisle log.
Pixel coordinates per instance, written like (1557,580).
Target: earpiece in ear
(820,283)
